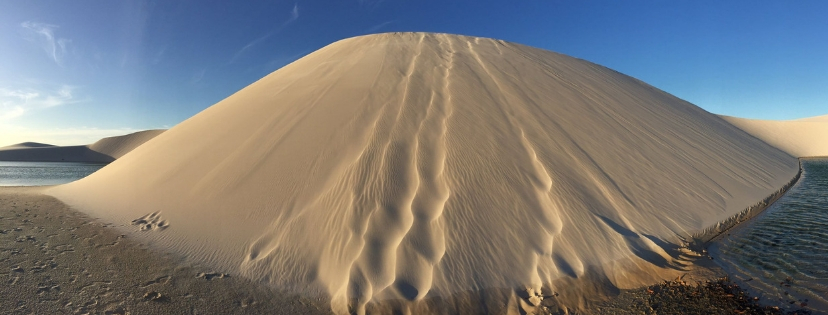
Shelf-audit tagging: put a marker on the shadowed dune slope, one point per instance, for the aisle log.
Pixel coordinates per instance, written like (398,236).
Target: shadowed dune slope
(801,137)
(103,151)
(412,166)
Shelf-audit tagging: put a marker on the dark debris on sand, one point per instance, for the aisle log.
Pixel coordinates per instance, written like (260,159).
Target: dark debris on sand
(719,296)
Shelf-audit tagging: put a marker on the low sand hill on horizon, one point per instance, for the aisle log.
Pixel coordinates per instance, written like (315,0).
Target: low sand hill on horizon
(823,118)
(102,151)
(435,173)
(806,137)
(26,145)
(118,146)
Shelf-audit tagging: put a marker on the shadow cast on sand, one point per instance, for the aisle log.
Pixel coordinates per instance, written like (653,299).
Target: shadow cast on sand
(637,243)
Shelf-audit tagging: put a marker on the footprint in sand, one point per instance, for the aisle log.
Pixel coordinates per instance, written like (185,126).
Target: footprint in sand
(151,222)
(155,297)
(210,276)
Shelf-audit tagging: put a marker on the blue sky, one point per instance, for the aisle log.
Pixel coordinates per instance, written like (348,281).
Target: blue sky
(75,71)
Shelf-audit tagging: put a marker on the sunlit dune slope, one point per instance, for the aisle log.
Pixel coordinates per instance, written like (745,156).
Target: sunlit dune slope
(801,137)
(411,166)
(103,151)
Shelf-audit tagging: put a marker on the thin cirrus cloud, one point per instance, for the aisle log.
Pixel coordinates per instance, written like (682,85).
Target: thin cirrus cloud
(377,27)
(370,4)
(44,35)
(17,102)
(294,15)
(197,76)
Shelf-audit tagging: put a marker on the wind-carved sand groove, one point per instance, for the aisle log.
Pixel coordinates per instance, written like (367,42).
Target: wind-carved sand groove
(544,209)
(548,217)
(434,173)
(424,244)
(391,217)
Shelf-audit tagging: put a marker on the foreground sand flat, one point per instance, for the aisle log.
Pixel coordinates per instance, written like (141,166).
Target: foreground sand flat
(428,172)
(57,261)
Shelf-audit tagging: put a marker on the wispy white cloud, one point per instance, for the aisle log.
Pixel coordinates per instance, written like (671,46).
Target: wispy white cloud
(198,76)
(11,113)
(44,35)
(248,46)
(379,26)
(371,4)
(17,102)
(159,55)
(294,15)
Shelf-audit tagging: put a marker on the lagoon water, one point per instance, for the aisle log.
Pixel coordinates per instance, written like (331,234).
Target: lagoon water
(782,255)
(43,173)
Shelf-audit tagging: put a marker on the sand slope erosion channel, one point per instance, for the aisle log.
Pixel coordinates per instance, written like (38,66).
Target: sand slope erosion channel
(434,173)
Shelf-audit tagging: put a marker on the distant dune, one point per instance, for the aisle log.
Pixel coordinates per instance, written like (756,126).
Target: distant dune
(823,118)
(116,147)
(801,137)
(77,153)
(26,145)
(103,151)
(438,173)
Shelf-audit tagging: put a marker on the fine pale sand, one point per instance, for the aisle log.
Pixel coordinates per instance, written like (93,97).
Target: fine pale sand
(805,137)
(57,261)
(103,151)
(437,173)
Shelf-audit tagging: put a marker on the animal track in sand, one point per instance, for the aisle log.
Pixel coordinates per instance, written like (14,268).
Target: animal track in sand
(151,221)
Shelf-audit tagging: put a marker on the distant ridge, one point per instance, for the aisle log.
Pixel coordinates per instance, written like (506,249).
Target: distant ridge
(806,137)
(434,173)
(103,151)
(26,145)
(117,146)
(823,118)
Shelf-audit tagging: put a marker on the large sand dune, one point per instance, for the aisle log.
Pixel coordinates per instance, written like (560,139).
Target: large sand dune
(805,137)
(401,168)
(103,151)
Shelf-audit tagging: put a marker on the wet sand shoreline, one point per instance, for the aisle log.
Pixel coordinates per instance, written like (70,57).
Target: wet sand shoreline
(707,287)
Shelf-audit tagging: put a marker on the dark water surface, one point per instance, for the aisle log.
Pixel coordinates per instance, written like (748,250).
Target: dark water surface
(44,173)
(782,255)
